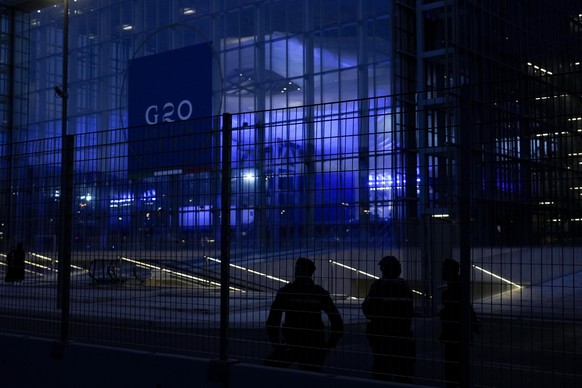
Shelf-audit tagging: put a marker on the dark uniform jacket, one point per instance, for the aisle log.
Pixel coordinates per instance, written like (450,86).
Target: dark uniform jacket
(451,314)
(388,306)
(302,301)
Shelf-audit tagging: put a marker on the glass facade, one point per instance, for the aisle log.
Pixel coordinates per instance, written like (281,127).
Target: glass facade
(266,56)
(358,102)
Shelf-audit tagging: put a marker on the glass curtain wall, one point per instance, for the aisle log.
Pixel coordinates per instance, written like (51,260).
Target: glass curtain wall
(516,69)
(266,55)
(6,24)
(14,55)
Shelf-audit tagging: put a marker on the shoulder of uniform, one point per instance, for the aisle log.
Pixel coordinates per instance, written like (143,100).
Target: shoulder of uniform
(321,290)
(285,288)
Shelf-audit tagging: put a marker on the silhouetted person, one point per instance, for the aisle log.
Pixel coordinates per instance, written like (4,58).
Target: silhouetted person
(15,264)
(19,257)
(302,338)
(388,307)
(451,322)
(9,276)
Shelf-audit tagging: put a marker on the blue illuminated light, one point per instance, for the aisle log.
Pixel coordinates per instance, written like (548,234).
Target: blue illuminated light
(248,176)
(380,182)
(149,196)
(123,201)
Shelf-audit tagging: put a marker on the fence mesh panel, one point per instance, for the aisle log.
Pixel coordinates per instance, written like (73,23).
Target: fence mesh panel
(487,175)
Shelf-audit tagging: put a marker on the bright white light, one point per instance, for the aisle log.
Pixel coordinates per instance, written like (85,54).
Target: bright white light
(248,176)
(46,258)
(249,270)
(364,273)
(540,68)
(354,269)
(175,273)
(496,276)
(122,202)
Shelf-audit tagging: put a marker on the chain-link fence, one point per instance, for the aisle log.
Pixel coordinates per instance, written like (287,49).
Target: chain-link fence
(182,233)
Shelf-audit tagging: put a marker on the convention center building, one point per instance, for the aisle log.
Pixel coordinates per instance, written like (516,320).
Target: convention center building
(348,120)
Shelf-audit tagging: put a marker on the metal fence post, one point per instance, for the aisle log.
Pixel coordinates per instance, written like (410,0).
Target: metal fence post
(66,195)
(225,234)
(66,215)
(465,233)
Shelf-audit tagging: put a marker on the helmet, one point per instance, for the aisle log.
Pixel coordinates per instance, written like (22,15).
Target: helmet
(304,267)
(450,269)
(390,266)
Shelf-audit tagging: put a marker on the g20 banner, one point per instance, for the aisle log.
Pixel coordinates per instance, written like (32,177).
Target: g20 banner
(169,111)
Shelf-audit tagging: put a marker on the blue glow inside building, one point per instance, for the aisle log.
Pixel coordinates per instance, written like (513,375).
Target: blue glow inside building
(348,118)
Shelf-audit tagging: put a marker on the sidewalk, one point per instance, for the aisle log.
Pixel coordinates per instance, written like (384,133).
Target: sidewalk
(530,336)
(557,299)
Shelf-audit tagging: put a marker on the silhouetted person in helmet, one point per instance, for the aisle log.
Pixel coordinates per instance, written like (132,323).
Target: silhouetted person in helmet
(450,316)
(388,307)
(302,339)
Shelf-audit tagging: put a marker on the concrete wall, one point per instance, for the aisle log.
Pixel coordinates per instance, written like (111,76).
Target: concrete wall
(33,362)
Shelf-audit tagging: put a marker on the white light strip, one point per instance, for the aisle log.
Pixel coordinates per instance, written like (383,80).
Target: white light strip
(179,274)
(249,270)
(26,270)
(50,259)
(353,269)
(40,256)
(540,68)
(551,134)
(365,273)
(40,266)
(548,97)
(496,276)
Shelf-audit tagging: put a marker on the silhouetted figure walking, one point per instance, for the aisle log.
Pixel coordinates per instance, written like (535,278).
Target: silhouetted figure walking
(15,264)
(388,307)
(451,323)
(19,257)
(302,338)
(9,276)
